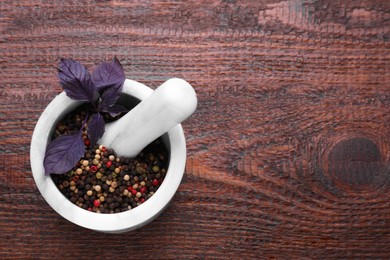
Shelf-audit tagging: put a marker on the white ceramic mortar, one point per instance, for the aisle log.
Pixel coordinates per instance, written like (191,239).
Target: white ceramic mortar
(110,223)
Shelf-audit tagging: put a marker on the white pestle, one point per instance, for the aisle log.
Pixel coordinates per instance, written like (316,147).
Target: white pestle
(169,105)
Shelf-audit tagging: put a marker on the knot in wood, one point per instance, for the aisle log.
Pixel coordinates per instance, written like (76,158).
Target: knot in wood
(356,164)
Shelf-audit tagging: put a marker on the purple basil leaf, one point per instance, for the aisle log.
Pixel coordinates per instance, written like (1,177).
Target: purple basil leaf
(96,127)
(63,153)
(75,79)
(115,110)
(109,97)
(108,74)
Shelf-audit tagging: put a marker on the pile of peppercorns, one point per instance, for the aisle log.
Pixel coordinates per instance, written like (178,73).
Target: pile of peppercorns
(102,182)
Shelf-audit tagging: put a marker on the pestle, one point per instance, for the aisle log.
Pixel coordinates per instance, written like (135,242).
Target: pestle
(169,105)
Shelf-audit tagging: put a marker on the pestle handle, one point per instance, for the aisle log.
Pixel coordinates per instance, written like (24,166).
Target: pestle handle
(169,105)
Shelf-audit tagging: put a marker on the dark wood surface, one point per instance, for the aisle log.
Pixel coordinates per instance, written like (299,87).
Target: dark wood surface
(288,151)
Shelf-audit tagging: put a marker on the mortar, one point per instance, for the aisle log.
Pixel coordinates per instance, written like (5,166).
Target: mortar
(174,140)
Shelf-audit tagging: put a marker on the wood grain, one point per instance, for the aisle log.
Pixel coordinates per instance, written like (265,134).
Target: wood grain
(288,151)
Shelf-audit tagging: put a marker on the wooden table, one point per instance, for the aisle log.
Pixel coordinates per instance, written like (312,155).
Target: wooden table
(288,151)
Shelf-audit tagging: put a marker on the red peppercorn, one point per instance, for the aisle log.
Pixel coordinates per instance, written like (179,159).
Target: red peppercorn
(89,209)
(132,190)
(103,149)
(155,182)
(87,142)
(96,203)
(142,190)
(108,164)
(75,178)
(142,200)
(93,168)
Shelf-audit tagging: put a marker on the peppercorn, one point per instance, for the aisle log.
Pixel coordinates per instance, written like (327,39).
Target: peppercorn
(155,182)
(98,175)
(80,184)
(97,188)
(105,186)
(108,164)
(143,190)
(96,203)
